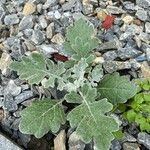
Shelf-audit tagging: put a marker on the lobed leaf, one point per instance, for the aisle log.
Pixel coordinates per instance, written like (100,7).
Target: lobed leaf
(116,88)
(89,117)
(35,68)
(80,40)
(41,117)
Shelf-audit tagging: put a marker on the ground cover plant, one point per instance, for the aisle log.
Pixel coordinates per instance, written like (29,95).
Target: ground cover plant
(91,93)
(138,108)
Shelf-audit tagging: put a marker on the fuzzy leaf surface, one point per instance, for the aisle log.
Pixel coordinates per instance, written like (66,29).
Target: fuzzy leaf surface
(116,88)
(89,117)
(35,68)
(80,40)
(41,117)
(78,72)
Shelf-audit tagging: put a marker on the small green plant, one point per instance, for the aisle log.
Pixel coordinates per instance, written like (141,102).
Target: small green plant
(138,108)
(90,92)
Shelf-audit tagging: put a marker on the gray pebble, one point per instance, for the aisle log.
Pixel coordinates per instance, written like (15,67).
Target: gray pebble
(26,23)
(15,124)
(38,37)
(134,64)
(115,10)
(130,146)
(141,58)
(107,46)
(6,144)
(24,138)
(47,49)
(2,13)
(50,31)
(145,37)
(128,138)
(128,52)
(9,103)
(25,95)
(11,19)
(143,3)
(112,66)
(141,14)
(115,145)
(75,142)
(12,88)
(129,5)
(88,9)
(144,138)
(148,54)
(51,2)
(43,21)
(68,5)
(147,27)
(110,55)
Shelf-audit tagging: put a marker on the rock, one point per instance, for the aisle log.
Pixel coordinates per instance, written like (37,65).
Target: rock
(134,64)
(47,50)
(110,55)
(50,30)
(144,139)
(148,54)
(12,88)
(38,37)
(143,3)
(26,23)
(1,114)
(51,2)
(58,39)
(43,21)
(101,15)
(112,66)
(98,60)
(15,124)
(25,95)
(128,19)
(130,30)
(145,69)
(115,10)
(9,103)
(109,46)
(87,9)
(145,37)
(60,141)
(115,145)
(75,143)
(5,61)
(141,14)
(147,27)
(25,139)
(130,146)
(128,52)
(141,58)
(57,14)
(129,5)
(68,5)
(11,19)
(2,13)
(29,9)
(128,138)
(6,144)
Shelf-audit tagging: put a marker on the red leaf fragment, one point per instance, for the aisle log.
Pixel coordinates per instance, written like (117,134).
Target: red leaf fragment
(108,22)
(59,57)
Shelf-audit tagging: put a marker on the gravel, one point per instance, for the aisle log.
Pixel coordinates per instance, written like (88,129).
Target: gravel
(144,138)
(40,25)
